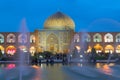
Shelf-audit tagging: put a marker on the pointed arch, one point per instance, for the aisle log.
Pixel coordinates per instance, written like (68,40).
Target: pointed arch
(117,37)
(108,37)
(89,49)
(1,38)
(32,50)
(52,43)
(76,38)
(86,37)
(98,48)
(118,49)
(2,49)
(97,38)
(11,50)
(78,48)
(32,38)
(11,38)
(23,48)
(22,38)
(109,49)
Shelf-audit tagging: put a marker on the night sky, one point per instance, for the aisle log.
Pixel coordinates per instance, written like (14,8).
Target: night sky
(88,15)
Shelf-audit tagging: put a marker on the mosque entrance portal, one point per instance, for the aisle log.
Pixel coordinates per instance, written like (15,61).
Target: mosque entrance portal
(52,43)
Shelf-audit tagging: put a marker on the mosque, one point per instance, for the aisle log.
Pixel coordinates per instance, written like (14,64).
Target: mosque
(57,36)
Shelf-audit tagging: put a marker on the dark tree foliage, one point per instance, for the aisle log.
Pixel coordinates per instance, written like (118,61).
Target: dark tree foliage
(93,53)
(1,55)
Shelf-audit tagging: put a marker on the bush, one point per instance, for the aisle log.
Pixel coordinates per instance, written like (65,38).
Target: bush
(100,58)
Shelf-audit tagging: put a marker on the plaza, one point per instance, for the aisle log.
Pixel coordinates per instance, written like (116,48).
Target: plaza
(59,40)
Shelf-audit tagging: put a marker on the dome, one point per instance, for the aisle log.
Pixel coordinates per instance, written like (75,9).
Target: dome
(59,21)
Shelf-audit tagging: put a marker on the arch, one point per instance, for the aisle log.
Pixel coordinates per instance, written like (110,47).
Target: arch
(32,39)
(109,49)
(23,48)
(118,49)
(89,49)
(108,37)
(86,37)
(2,49)
(52,43)
(76,38)
(97,38)
(1,38)
(22,38)
(98,48)
(32,50)
(78,48)
(11,38)
(11,50)
(117,37)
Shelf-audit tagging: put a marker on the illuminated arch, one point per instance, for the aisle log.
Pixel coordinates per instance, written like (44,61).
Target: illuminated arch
(52,43)
(75,50)
(2,49)
(78,48)
(109,49)
(86,37)
(97,37)
(108,37)
(98,48)
(118,49)
(11,50)
(11,38)
(22,38)
(89,49)
(76,38)
(32,39)
(117,37)
(1,38)
(32,50)
(23,48)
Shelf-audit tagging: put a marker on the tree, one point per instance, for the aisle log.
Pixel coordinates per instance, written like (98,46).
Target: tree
(75,53)
(48,54)
(1,55)
(93,53)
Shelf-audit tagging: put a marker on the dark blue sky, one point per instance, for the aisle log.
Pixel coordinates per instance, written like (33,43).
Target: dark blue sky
(89,15)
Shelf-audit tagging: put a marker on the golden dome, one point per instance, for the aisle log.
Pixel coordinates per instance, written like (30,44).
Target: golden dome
(59,21)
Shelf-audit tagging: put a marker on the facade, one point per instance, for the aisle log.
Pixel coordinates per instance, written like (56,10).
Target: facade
(57,36)
(106,42)
(10,41)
